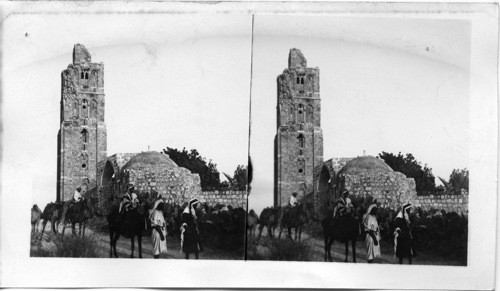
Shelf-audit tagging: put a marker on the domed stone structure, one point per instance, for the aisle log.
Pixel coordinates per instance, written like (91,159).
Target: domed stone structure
(365,178)
(148,159)
(152,173)
(365,163)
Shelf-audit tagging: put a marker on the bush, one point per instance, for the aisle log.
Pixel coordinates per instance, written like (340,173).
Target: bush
(40,251)
(444,233)
(286,250)
(70,246)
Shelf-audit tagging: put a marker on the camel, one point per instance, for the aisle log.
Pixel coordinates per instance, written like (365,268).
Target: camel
(53,213)
(36,215)
(268,217)
(78,212)
(252,222)
(131,224)
(294,217)
(344,229)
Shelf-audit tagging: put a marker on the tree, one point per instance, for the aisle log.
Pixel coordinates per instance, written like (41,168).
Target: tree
(239,179)
(459,179)
(408,165)
(193,161)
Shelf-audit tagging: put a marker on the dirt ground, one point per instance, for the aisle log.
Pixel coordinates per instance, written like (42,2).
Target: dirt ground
(262,250)
(123,246)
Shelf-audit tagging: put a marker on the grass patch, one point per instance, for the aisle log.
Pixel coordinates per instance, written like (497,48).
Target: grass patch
(283,250)
(70,247)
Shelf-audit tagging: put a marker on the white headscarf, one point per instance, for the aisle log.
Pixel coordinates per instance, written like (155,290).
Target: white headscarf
(190,207)
(403,213)
(365,217)
(157,202)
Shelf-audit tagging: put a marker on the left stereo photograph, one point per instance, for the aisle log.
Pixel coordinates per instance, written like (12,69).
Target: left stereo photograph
(141,133)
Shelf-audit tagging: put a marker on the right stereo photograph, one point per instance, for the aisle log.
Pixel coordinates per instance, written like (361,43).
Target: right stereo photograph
(359,140)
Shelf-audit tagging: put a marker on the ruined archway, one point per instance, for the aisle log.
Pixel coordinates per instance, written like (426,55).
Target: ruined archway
(324,191)
(107,180)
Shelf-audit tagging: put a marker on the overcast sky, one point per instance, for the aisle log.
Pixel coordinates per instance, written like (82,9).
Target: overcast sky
(386,84)
(170,80)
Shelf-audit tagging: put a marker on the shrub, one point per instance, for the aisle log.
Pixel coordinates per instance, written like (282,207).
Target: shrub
(40,251)
(444,233)
(77,247)
(286,250)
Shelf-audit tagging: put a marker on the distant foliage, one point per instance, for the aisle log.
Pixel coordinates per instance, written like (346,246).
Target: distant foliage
(459,179)
(408,165)
(193,161)
(239,179)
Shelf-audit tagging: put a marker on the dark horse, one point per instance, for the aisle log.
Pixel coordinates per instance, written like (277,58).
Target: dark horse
(293,217)
(269,218)
(53,213)
(344,229)
(77,212)
(131,224)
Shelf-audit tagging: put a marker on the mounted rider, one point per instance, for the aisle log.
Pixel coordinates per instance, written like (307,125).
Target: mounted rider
(343,205)
(77,197)
(129,200)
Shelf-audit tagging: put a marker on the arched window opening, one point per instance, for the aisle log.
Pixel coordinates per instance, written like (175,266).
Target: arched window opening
(86,75)
(301,113)
(298,80)
(291,114)
(302,80)
(301,165)
(310,114)
(85,110)
(85,136)
(93,109)
(82,75)
(93,79)
(310,83)
(75,108)
(300,139)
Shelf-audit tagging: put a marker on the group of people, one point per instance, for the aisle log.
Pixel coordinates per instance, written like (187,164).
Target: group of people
(403,247)
(189,229)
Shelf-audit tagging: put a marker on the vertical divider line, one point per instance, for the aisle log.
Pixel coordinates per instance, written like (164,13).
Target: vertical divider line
(249,167)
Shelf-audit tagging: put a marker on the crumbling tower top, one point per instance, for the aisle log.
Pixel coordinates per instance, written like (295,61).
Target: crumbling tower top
(80,54)
(296,59)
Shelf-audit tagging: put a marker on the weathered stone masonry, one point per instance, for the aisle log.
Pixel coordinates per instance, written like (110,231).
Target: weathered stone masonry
(227,197)
(447,202)
(82,135)
(299,139)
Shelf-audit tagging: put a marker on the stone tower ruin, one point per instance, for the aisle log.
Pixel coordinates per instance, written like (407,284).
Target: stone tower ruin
(82,136)
(299,139)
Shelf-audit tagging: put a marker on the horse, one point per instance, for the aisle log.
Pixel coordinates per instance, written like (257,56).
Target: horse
(36,215)
(77,212)
(131,224)
(252,222)
(294,217)
(268,217)
(344,229)
(53,213)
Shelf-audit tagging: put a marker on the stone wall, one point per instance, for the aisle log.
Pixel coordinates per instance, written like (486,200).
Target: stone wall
(448,202)
(227,197)
(391,189)
(175,184)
